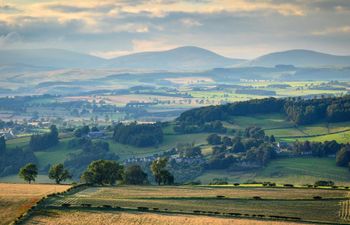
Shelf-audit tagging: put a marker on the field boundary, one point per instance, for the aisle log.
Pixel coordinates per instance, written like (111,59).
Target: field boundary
(232,215)
(26,215)
(315,135)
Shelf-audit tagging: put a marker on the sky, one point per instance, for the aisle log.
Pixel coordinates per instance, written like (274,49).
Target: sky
(233,28)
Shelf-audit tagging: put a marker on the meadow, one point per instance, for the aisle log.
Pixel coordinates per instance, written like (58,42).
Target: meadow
(15,199)
(299,171)
(284,130)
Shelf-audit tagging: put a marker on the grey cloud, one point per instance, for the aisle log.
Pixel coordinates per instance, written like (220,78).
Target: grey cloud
(8,9)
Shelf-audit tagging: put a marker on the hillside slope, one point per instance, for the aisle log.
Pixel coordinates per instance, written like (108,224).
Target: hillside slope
(300,58)
(183,58)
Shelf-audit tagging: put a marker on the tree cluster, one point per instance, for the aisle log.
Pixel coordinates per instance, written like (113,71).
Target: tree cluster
(298,110)
(140,135)
(91,151)
(11,160)
(44,141)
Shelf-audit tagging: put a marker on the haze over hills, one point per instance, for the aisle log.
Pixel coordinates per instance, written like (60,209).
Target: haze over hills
(54,58)
(183,58)
(300,58)
(187,58)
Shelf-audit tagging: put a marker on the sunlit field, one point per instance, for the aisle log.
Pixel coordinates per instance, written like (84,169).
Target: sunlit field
(16,199)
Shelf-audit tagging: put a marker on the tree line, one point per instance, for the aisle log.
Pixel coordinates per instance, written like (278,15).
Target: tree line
(139,135)
(105,172)
(298,110)
(44,141)
(13,159)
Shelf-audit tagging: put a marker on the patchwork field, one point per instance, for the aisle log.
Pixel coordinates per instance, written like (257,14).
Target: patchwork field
(73,217)
(249,202)
(283,130)
(15,199)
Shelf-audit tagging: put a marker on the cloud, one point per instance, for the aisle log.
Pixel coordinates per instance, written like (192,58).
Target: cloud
(188,22)
(333,31)
(236,28)
(9,39)
(8,9)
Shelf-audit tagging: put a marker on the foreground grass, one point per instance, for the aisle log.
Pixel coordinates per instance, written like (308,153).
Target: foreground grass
(15,199)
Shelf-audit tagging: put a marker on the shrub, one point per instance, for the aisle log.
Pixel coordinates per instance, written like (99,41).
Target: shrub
(236,184)
(220,196)
(141,208)
(86,205)
(288,185)
(257,198)
(107,206)
(66,205)
(317,197)
(324,183)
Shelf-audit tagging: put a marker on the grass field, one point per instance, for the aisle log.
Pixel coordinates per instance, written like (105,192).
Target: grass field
(291,170)
(170,141)
(187,199)
(283,130)
(59,153)
(16,199)
(74,217)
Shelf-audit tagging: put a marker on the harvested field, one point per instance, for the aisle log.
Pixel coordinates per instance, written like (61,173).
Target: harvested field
(15,199)
(71,217)
(296,204)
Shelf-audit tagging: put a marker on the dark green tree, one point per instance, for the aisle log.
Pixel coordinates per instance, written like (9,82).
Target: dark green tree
(103,172)
(160,173)
(2,144)
(343,156)
(135,175)
(58,173)
(28,172)
(214,139)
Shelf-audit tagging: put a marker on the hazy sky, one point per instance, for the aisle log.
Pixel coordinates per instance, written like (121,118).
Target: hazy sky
(233,28)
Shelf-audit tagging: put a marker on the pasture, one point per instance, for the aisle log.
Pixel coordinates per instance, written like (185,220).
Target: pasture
(15,199)
(284,130)
(246,202)
(288,170)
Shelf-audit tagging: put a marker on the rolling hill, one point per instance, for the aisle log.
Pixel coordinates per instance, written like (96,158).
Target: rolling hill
(300,58)
(54,58)
(183,58)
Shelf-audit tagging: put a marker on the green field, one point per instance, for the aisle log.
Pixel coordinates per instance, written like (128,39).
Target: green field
(283,130)
(297,202)
(291,170)
(59,153)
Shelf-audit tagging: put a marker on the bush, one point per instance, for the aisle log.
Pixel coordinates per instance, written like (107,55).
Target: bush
(141,208)
(220,196)
(288,185)
(66,205)
(317,197)
(324,183)
(236,184)
(257,198)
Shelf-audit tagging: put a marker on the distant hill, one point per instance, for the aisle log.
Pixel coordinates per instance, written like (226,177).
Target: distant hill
(54,58)
(183,58)
(187,58)
(300,58)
